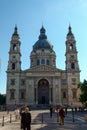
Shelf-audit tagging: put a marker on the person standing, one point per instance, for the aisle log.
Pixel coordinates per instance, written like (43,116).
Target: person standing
(51,111)
(17,114)
(61,116)
(26,119)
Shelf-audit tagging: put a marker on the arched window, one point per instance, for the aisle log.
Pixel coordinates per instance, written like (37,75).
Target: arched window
(14,47)
(64,94)
(71,47)
(72,66)
(13,66)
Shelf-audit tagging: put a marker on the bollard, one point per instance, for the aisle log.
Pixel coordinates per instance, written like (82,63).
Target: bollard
(3,121)
(66,110)
(10,118)
(73,116)
(57,117)
(42,117)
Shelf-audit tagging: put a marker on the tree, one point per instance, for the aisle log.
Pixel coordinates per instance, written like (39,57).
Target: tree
(83,95)
(2,99)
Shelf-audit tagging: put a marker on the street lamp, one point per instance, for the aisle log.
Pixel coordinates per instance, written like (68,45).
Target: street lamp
(73,115)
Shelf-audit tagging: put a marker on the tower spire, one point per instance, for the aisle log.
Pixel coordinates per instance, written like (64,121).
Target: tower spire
(15,31)
(42,33)
(69,30)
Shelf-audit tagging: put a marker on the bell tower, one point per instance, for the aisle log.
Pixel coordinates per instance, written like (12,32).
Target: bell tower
(14,63)
(71,52)
(72,69)
(13,70)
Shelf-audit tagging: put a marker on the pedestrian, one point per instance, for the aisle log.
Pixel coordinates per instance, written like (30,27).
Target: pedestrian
(21,110)
(17,114)
(26,119)
(7,111)
(51,111)
(57,110)
(61,116)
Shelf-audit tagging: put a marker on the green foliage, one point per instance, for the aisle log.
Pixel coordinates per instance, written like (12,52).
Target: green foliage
(2,99)
(83,95)
(85,104)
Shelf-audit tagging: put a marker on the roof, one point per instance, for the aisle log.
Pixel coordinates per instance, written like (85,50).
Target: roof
(43,42)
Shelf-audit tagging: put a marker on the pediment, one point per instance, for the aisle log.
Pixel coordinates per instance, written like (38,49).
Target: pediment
(43,68)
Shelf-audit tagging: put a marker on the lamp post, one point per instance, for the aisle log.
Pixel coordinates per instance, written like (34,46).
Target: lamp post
(73,115)
(15,103)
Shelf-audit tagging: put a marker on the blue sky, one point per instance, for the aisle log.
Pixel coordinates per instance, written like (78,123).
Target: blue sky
(55,15)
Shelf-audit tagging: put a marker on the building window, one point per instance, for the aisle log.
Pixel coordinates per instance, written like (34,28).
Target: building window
(47,62)
(64,94)
(64,81)
(74,94)
(35,94)
(71,47)
(14,47)
(22,96)
(72,66)
(12,81)
(31,61)
(22,82)
(42,61)
(12,95)
(13,66)
(13,57)
(38,62)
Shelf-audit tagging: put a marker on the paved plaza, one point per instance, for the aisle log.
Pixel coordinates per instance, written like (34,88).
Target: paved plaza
(41,120)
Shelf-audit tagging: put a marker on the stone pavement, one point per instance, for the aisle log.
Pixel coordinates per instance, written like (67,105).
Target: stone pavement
(16,126)
(41,121)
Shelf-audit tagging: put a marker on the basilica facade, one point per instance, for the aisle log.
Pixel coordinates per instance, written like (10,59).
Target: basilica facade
(43,83)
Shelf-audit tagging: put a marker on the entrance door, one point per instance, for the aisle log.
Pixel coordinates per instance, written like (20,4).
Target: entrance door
(43,92)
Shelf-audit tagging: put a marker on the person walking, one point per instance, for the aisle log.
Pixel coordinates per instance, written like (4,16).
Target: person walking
(61,116)
(26,119)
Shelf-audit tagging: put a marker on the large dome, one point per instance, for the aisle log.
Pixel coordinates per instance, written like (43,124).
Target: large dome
(43,42)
